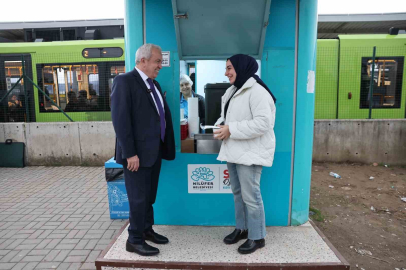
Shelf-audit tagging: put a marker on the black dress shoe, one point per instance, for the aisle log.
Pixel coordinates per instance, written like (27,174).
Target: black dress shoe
(251,245)
(155,237)
(141,249)
(235,236)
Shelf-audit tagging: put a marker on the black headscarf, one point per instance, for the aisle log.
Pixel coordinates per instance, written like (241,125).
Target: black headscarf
(245,66)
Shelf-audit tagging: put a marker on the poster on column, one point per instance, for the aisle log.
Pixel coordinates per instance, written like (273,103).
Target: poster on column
(166,59)
(208,178)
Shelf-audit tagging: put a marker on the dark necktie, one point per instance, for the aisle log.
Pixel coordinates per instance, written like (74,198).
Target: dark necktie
(160,108)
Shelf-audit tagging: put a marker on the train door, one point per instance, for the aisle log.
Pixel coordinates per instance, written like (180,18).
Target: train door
(18,106)
(112,70)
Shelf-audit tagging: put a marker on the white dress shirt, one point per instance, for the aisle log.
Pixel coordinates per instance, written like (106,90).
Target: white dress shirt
(145,78)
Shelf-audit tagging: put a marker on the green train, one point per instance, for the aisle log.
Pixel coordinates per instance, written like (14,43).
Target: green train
(344,75)
(81,73)
(76,75)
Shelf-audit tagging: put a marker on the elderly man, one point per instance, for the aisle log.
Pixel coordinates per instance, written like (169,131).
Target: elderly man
(144,131)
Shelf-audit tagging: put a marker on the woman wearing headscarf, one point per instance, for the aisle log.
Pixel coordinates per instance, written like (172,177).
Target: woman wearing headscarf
(246,129)
(186,92)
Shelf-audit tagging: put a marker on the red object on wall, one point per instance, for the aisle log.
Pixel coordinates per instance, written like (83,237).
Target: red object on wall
(183,131)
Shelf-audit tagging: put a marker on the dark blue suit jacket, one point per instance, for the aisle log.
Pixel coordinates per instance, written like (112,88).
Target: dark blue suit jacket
(136,121)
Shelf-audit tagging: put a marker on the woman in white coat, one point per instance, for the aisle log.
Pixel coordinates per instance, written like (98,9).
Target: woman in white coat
(246,129)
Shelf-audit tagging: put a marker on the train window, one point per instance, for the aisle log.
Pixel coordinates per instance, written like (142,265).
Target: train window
(114,71)
(102,52)
(77,87)
(387,82)
(15,100)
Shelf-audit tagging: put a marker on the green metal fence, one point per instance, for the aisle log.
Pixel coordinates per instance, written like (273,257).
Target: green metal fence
(354,81)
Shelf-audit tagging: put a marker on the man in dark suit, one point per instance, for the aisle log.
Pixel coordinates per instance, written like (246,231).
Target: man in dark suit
(143,125)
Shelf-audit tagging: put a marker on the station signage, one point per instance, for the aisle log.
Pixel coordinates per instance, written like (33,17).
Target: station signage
(208,178)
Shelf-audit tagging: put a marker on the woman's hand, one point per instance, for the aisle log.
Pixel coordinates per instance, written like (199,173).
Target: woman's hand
(223,133)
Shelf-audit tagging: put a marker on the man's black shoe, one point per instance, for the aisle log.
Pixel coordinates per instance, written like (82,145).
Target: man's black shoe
(235,236)
(141,249)
(251,245)
(155,237)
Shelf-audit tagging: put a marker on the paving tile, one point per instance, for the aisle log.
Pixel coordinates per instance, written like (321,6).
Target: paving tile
(47,265)
(109,234)
(70,241)
(45,233)
(6,244)
(30,266)
(46,222)
(6,266)
(92,243)
(80,234)
(93,256)
(53,243)
(80,252)
(14,243)
(32,258)
(31,241)
(93,236)
(38,225)
(82,243)
(63,266)
(65,246)
(75,266)
(39,252)
(56,236)
(29,247)
(88,266)
(43,244)
(19,256)
(75,259)
(51,256)
(19,266)
(4,252)
(9,256)
(61,256)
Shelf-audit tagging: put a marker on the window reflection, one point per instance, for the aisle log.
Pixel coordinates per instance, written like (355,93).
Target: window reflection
(387,82)
(15,102)
(77,87)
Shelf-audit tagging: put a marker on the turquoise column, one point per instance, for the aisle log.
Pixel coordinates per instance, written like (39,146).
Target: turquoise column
(278,72)
(307,42)
(133,31)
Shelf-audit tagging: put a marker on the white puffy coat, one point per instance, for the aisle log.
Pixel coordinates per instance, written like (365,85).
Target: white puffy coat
(251,119)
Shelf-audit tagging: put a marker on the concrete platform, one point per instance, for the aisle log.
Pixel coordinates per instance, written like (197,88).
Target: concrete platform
(201,247)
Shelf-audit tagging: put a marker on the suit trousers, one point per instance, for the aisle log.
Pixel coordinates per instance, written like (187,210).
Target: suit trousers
(142,187)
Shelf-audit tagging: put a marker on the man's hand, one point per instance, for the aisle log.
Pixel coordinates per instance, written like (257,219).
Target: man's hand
(222,133)
(133,163)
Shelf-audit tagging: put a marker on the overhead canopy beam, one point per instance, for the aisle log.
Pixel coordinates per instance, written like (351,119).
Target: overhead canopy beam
(380,17)
(354,31)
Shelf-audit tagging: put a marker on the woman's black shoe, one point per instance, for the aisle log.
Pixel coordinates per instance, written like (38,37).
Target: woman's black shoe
(235,236)
(251,245)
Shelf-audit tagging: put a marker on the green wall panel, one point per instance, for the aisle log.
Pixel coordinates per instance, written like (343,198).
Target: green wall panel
(326,79)
(352,49)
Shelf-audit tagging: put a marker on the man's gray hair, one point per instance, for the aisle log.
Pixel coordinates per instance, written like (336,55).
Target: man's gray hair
(145,51)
